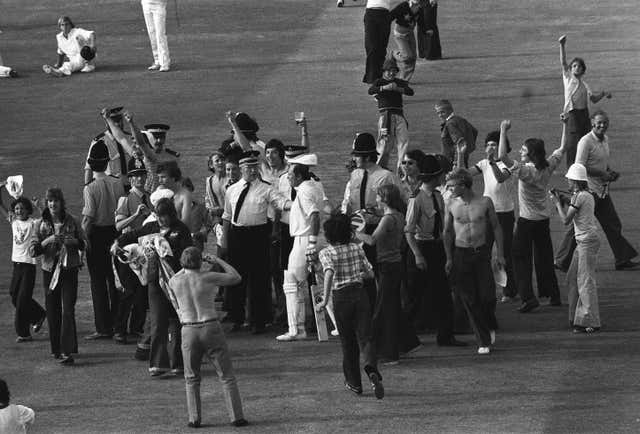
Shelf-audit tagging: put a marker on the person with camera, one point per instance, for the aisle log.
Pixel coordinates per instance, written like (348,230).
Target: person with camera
(593,153)
(76,50)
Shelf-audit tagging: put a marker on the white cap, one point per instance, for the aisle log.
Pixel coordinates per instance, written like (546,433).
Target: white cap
(160,193)
(304,159)
(577,172)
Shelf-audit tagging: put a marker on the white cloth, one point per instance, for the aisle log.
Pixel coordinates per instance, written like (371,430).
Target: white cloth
(155,17)
(309,199)
(593,153)
(386,4)
(15,418)
(24,231)
(15,186)
(532,188)
(5,71)
(502,194)
(576,93)
(284,187)
(71,45)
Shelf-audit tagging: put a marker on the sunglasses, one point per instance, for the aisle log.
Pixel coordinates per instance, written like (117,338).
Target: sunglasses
(408,162)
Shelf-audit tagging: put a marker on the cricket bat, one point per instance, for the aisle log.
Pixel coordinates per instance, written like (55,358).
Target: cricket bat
(316,289)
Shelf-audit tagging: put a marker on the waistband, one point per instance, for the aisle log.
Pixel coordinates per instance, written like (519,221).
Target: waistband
(199,322)
(391,110)
(348,287)
(255,228)
(579,111)
(482,248)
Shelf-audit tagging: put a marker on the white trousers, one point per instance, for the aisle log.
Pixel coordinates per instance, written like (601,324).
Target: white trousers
(155,17)
(74,64)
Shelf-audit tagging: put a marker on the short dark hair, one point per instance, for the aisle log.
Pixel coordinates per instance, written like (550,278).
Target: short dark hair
(210,160)
(462,175)
(191,258)
(536,152)
(415,154)
(165,207)
(277,145)
(302,171)
(599,112)
(5,396)
(494,136)
(579,61)
(26,203)
(337,229)
(171,169)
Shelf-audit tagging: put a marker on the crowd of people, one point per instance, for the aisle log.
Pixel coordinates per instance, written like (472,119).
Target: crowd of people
(396,255)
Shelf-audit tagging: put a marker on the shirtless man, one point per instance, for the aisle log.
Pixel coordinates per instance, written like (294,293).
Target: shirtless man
(469,255)
(169,176)
(193,297)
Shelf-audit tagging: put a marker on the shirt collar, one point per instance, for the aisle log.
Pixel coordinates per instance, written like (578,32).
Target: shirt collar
(450,116)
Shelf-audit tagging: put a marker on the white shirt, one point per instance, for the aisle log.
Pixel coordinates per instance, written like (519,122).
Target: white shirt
(584,221)
(15,418)
(309,199)
(115,165)
(73,43)
(284,188)
(576,93)
(502,194)
(532,188)
(593,153)
(254,208)
(385,4)
(24,231)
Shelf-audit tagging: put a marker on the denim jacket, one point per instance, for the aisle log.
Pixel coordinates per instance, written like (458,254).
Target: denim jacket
(54,252)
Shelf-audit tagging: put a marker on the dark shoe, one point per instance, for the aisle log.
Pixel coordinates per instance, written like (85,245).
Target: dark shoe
(528,306)
(120,338)
(627,265)
(56,356)
(453,342)
(23,339)
(240,422)
(376,384)
(195,424)
(37,326)
(66,359)
(13,73)
(141,354)
(553,302)
(96,335)
(354,389)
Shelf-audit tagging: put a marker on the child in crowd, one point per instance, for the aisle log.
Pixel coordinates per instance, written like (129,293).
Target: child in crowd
(29,314)
(584,312)
(14,419)
(345,267)
(392,125)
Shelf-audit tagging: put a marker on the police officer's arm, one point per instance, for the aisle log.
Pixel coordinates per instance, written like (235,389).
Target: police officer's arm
(122,220)
(88,211)
(118,134)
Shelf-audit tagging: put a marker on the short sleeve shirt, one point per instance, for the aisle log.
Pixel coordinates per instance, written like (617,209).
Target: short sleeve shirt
(348,263)
(502,194)
(576,93)
(420,219)
(253,211)
(308,200)
(584,221)
(15,418)
(73,43)
(24,232)
(376,177)
(532,187)
(101,200)
(127,206)
(593,153)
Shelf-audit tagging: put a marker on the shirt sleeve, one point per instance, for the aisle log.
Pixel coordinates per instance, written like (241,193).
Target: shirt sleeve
(325,260)
(366,265)
(308,205)
(89,208)
(26,415)
(412,216)
(582,152)
(226,215)
(122,209)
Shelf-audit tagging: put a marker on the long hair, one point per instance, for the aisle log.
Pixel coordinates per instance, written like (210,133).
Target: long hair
(337,229)
(536,153)
(390,194)
(54,193)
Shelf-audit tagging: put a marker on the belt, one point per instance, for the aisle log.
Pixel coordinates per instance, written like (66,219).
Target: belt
(199,322)
(473,249)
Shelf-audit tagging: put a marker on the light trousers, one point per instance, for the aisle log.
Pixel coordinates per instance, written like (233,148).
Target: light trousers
(584,310)
(397,134)
(155,17)
(406,54)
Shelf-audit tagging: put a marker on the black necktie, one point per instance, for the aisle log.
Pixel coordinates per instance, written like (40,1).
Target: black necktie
(241,198)
(293,194)
(437,218)
(363,190)
(144,201)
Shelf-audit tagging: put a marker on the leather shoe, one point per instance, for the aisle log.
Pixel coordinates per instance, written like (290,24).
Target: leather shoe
(96,335)
(354,389)
(528,306)
(195,424)
(376,384)
(453,342)
(240,422)
(628,265)
(120,338)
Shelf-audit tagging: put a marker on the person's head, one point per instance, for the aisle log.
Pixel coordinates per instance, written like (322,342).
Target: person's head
(157,136)
(443,109)
(22,208)
(191,258)
(390,69)
(168,174)
(55,201)
(364,150)
(65,24)
(98,156)
(459,181)
(599,123)
(491,143)
(215,163)
(533,151)
(577,67)
(188,184)
(232,171)
(577,177)
(274,153)
(5,396)
(337,229)
(137,173)
(298,173)
(411,162)
(249,166)
(389,195)
(430,169)
(166,212)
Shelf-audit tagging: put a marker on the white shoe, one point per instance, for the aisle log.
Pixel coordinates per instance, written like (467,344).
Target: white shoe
(340,3)
(334,332)
(493,336)
(88,68)
(164,69)
(484,350)
(289,337)
(52,71)
(154,67)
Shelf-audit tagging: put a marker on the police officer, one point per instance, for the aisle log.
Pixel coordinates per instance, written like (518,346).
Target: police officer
(98,222)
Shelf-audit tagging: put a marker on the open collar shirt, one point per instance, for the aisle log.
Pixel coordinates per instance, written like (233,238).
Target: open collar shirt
(253,211)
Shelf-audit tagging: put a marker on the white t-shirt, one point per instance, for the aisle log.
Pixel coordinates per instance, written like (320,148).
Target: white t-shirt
(308,200)
(24,231)
(532,188)
(15,418)
(502,194)
(73,43)
(584,221)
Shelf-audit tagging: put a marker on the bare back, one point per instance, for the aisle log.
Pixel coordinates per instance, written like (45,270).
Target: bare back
(195,292)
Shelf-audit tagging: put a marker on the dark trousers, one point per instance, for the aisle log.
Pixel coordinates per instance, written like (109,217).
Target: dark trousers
(28,311)
(353,318)
(606,214)
(506,220)
(392,332)
(435,288)
(429,44)
(103,288)
(578,125)
(532,242)
(61,311)
(473,280)
(377,27)
(249,255)
(164,330)
(372,256)
(134,295)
